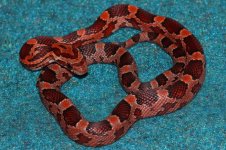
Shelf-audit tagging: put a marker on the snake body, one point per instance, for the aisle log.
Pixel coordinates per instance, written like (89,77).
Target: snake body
(62,57)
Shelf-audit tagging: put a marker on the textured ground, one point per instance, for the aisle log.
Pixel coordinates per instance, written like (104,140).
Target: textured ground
(25,123)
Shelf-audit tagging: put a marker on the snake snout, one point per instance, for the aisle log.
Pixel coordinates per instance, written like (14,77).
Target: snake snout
(25,52)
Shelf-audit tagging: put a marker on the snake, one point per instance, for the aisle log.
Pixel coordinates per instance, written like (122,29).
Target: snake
(62,57)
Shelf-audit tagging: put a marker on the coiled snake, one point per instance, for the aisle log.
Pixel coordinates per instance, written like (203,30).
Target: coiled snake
(62,57)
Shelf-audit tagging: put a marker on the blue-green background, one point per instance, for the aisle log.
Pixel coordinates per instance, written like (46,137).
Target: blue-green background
(25,123)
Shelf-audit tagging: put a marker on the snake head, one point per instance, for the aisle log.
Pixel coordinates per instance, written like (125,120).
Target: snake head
(35,54)
(41,51)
